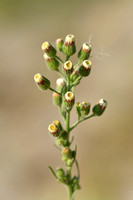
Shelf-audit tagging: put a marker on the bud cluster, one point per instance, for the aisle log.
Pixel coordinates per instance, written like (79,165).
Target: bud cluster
(64,98)
(82,109)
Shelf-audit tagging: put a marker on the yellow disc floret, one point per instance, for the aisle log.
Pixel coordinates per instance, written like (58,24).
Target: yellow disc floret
(38,78)
(87,64)
(45,46)
(68,66)
(69,96)
(52,128)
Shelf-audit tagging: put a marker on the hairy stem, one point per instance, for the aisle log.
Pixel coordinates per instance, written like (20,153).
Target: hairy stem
(59,59)
(61,112)
(78,63)
(54,91)
(70,193)
(67,58)
(81,120)
(60,74)
(67,120)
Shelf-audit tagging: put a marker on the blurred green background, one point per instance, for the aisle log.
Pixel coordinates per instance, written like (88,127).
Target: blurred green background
(105,144)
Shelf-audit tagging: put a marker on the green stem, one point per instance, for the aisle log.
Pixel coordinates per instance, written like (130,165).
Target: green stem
(68,82)
(70,189)
(74,125)
(70,192)
(54,91)
(60,74)
(79,61)
(61,112)
(73,90)
(76,82)
(67,120)
(59,59)
(68,111)
(67,58)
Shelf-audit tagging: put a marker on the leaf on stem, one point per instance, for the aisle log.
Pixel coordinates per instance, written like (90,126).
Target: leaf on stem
(76,162)
(72,139)
(52,171)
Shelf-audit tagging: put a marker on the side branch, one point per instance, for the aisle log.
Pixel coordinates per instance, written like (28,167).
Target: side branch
(81,120)
(54,91)
(59,59)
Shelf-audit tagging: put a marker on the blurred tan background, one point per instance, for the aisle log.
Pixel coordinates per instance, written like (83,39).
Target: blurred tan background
(105,144)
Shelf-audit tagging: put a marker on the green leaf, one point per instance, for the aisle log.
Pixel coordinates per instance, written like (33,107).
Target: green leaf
(52,171)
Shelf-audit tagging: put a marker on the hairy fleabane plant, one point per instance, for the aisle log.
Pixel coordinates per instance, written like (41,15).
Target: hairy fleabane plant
(64,99)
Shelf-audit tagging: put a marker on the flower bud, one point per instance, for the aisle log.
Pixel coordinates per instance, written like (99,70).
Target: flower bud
(75,183)
(59,44)
(67,67)
(48,49)
(69,162)
(69,100)
(52,62)
(42,82)
(69,47)
(99,108)
(85,108)
(85,68)
(57,99)
(64,135)
(64,158)
(58,124)
(74,75)
(61,142)
(75,180)
(60,173)
(66,152)
(53,130)
(84,52)
(61,85)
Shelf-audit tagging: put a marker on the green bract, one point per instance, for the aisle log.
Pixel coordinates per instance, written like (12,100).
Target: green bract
(52,62)
(59,44)
(42,82)
(69,47)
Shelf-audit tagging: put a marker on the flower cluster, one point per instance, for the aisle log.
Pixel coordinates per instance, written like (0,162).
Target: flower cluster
(64,97)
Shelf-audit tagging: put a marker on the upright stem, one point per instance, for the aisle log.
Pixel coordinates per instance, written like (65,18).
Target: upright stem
(60,74)
(79,61)
(68,111)
(68,82)
(61,112)
(70,193)
(68,168)
(70,189)
(67,120)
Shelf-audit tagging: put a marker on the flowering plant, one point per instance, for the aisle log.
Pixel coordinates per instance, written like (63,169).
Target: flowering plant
(64,98)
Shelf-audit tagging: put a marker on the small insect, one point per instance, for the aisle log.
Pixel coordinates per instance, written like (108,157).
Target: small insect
(89,41)
(99,56)
(90,38)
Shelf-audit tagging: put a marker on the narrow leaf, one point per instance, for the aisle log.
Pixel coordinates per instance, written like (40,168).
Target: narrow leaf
(52,171)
